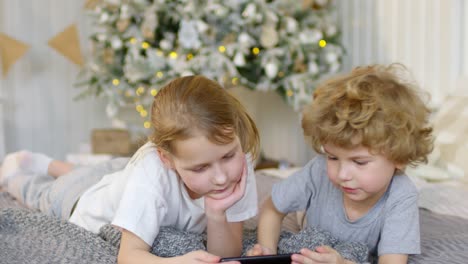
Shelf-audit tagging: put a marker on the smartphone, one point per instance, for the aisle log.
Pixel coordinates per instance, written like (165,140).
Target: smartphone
(268,259)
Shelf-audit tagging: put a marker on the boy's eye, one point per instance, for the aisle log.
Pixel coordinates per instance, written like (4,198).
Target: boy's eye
(360,162)
(331,158)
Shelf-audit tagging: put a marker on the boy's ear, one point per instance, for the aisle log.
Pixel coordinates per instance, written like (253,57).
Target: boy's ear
(166,158)
(400,167)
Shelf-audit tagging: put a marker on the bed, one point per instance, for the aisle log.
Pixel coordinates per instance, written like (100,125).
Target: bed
(444,230)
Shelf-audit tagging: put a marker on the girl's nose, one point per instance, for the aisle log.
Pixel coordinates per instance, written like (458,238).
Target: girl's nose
(220,177)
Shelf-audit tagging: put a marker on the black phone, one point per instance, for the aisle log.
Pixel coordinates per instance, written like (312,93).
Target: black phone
(267,259)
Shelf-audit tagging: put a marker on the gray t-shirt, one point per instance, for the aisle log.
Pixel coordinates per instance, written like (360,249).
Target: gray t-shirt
(390,227)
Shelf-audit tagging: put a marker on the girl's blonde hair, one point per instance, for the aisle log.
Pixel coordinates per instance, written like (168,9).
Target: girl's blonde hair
(195,104)
(376,107)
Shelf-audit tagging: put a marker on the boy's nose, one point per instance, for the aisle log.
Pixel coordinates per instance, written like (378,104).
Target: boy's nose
(343,173)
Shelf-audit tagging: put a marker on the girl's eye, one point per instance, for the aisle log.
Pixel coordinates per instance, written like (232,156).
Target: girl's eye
(199,169)
(228,156)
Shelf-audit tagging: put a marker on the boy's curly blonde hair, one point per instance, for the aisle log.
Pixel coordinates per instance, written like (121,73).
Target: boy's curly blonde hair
(374,107)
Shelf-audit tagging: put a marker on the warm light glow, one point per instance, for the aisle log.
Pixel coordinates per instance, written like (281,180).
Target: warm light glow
(322,43)
(115,82)
(154,92)
(143,113)
(289,93)
(145,45)
(133,40)
(140,90)
(139,108)
(159,74)
(147,124)
(235,81)
(256,51)
(222,49)
(159,53)
(173,55)
(128,93)
(189,56)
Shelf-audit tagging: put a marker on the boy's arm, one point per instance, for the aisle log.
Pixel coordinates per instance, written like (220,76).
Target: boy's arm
(393,258)
(269,226)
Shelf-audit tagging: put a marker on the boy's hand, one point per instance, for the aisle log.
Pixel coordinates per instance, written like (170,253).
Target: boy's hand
(322,254)
(200,257)
(214,207)
(259,250)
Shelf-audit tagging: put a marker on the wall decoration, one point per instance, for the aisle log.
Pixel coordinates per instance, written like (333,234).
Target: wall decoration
(67,43)
(10,51)
(139,45)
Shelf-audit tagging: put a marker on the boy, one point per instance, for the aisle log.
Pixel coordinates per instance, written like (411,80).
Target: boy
(366,126)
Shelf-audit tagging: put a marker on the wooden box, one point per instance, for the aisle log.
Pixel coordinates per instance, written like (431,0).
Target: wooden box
(111,141)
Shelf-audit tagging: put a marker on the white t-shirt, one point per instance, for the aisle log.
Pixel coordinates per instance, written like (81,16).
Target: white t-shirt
(146,195)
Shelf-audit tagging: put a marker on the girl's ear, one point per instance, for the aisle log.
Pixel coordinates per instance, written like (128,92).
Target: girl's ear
(166,158)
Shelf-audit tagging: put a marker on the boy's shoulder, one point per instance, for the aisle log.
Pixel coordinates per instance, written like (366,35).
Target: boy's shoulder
(402,187)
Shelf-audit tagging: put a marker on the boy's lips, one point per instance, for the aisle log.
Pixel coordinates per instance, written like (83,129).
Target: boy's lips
(349,190)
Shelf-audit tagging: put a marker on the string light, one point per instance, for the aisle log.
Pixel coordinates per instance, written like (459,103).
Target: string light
(154,92)
(189,56)
(222,49)
(133,40)
(159,74)
(145,45)
(140,90)
(289,93)
(143,113)
(255,51)
(322,43)
(147,124)
(139,108)
(235,81)
(173,55)
(115,82)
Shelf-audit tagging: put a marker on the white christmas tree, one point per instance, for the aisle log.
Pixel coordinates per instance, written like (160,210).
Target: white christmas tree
(139,45)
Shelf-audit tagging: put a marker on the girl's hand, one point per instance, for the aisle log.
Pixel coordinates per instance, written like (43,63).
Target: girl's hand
(322,254)
(215,208)
(259,250)
(200,257)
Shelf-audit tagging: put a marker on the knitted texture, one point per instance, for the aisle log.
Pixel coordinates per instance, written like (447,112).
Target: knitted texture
(33,237)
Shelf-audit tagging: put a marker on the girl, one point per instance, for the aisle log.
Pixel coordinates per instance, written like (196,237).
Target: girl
(195,173)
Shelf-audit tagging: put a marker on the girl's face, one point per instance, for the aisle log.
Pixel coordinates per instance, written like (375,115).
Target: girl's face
(207,169)
(361,176)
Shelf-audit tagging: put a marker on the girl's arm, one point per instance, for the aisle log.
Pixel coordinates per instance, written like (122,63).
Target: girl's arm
(134,250)
(269,226)
(224,238)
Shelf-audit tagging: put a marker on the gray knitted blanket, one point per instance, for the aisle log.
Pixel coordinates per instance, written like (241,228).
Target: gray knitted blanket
(33,237)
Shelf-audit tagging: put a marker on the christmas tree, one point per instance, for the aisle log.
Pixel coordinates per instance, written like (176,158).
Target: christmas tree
(139,45)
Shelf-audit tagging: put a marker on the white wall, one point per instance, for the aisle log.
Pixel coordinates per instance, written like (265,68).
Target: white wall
(39,112)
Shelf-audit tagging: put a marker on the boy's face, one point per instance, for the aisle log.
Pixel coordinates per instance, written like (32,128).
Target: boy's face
(207,169)
(361,176)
